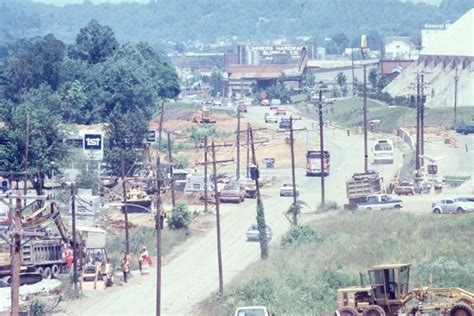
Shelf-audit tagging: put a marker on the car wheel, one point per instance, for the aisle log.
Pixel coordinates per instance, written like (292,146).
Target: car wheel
(460,210)
(437,211)
(369,209)
(398,206)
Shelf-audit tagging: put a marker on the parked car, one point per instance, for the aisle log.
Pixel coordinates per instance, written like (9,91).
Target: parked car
(455,205)
(232,192)
(465,129)
(270,118)
(253,233)
(252,311)
(281,110)
(250,187)
(265,102)
(404,188)
(275,104)
(287,190)
(242,107)
(4,219)
(284,123)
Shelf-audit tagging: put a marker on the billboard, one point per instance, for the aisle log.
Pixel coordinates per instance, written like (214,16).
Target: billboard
(93,146)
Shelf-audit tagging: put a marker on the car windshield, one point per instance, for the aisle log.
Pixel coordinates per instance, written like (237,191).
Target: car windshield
(231,188)
(251,312)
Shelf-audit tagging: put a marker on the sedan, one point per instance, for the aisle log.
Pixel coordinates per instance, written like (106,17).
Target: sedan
(404,188)
(253,233)
(287,190)
(232,192)
(456,205)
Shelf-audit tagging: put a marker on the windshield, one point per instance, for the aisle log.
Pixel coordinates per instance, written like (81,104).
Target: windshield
(231,188)
(383,147)
(251,312)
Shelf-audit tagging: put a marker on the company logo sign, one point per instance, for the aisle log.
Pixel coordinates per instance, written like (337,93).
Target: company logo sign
(92,141)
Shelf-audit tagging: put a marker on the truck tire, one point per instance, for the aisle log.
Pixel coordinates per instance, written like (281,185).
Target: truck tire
(374,310)
(47,273)
(40,270)
(461,309)
(55,270)
(347,311)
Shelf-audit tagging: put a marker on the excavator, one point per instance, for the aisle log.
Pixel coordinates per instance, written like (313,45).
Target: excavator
(389,294)
(204,117)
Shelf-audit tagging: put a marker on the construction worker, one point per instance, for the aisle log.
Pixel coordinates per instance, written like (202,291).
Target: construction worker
(126,266)
(143,258)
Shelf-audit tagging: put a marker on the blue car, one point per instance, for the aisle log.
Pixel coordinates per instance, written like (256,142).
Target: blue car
(465,129)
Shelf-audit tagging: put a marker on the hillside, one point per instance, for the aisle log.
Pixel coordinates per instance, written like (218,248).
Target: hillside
(166,23)
(302,278)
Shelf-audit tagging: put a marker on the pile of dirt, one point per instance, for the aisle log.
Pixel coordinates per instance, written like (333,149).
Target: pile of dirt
(113,224)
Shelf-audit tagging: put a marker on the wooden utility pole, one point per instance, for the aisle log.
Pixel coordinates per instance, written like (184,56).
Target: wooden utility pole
(124,207)
(158,221)
(16,260)
(237,172)
(321,149)
(293,176)
(27,145)
(248,151)
(422,120)
(74,239)
(218,221)
(262,227)
(161,124)
(353,74)
(456,79)
(366,152)
(417,150)
(205,174)
(170,159)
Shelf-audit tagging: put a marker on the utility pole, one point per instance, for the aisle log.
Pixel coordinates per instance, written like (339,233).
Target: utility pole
(16,260)
(124,207)
(363,49)
(161,124)
(422,120)
(456,79)
(293,176)
(248,150)
(74,240)
(170,158)
(353,74)
(205,174)
(25,189)
(158,222)
(237,172)
(262,227)
(417,151)
(321,149)
(218,221)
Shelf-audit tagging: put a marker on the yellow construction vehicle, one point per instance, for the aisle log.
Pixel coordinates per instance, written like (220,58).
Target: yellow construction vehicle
(389,294)
(203,116)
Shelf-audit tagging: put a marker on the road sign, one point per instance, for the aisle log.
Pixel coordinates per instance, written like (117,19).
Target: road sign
(93,146)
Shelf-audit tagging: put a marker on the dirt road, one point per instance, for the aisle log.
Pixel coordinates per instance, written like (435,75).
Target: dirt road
(191,275)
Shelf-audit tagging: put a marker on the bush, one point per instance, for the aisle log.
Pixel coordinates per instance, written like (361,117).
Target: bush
(180,217)
(301,234)
(37,308)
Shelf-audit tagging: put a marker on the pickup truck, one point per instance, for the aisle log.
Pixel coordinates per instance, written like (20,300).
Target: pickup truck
(379,202)
(465,129)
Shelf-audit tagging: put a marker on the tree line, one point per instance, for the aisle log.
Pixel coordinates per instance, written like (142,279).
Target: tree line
(49,86)
(182,24)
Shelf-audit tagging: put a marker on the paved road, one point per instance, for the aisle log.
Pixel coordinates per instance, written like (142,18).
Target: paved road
(191,275)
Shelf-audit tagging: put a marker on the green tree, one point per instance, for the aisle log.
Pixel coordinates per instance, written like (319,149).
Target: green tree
(34,62)
(180,216)
(216,83)
(46,151)
(373,77)
(94,43)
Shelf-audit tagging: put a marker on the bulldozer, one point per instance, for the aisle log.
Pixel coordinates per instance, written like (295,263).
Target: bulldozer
(388,294)
(203,116)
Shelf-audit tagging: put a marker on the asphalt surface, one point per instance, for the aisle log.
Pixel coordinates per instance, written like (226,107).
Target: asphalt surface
(191,275)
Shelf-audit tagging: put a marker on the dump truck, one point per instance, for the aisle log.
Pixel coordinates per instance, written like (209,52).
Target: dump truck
(203,117)
(360,186)
(388,293)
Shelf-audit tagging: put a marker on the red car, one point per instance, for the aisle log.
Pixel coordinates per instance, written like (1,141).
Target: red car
(232,192)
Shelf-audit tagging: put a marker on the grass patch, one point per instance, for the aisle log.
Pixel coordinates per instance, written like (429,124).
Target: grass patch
(302,278)
(142,237)
(348,114)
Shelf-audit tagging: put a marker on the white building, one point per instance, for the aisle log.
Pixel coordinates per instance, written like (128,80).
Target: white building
(446,63)
(398,47)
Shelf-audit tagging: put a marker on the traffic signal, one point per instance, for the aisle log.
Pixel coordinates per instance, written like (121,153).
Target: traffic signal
(372,127)
(254,173)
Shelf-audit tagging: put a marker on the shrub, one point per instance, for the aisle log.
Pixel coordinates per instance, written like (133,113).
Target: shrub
(301,234)
(180,217)
(37,308)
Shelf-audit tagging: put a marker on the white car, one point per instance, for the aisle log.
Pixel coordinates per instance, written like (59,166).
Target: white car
(287,190)
(252,311)
(271,118)
(456,205)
